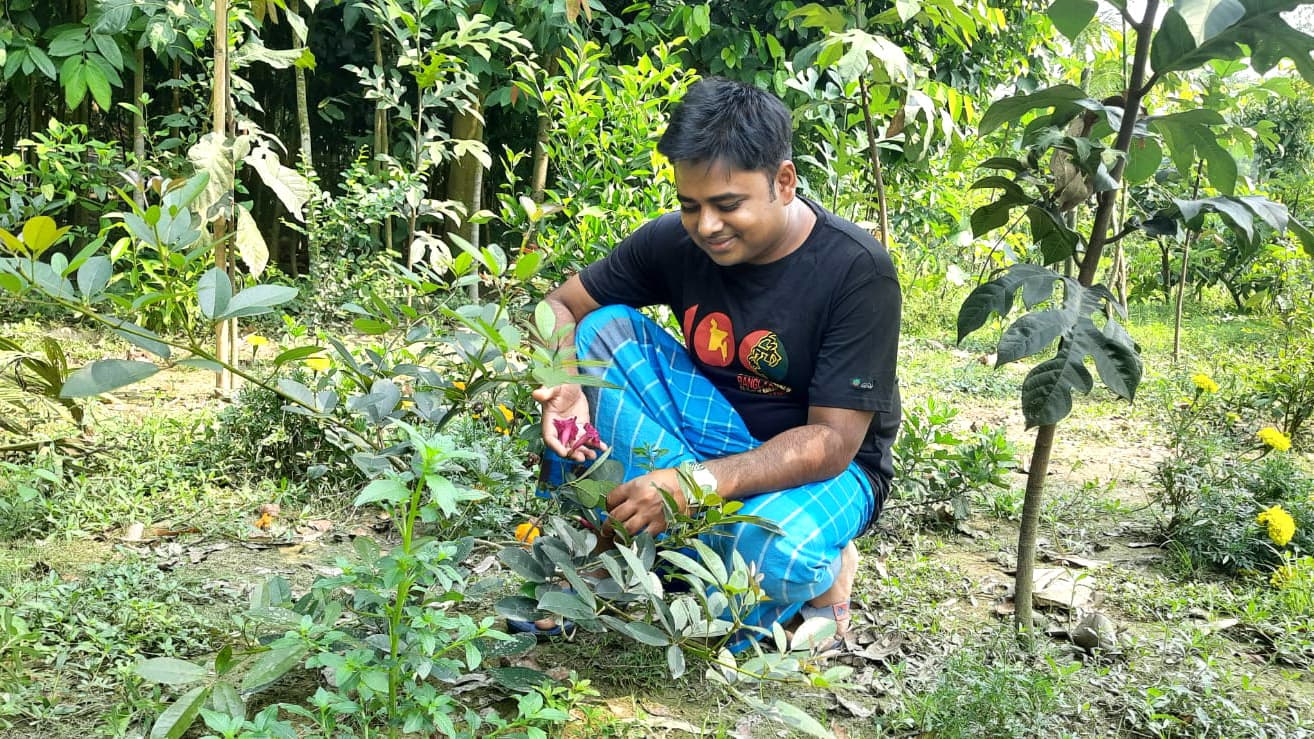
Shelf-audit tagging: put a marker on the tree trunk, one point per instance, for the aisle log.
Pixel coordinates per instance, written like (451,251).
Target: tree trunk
(176,102)
(1026,537)
(225,331)
(303,104)
(465,179)
(139,123)
(539,182)
(381,144)
(1181,280)
(877,177)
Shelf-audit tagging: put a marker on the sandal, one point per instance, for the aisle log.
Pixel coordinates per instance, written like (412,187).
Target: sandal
(564,629)
(837,612)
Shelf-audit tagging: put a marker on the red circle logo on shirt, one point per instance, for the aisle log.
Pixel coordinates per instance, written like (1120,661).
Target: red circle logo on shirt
(714,340)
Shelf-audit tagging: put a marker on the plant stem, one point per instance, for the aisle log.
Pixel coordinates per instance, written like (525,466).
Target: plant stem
(1026,538)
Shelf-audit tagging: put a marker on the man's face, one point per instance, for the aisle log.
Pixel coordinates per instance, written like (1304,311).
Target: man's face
(733,215)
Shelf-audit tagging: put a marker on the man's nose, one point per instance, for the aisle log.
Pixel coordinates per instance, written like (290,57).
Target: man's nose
(709,223)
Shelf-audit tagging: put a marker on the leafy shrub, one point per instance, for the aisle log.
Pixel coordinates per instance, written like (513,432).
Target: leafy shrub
(257,436)
(933,464)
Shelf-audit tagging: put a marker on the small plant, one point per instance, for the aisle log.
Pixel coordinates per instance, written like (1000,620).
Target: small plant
(937,466)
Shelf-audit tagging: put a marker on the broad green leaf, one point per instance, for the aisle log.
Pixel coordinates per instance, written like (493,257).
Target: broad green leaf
(40,233)
(250,242)
(1262,30)
(73,77)
(1303,234)
(98,84)
(675,660)
(1206,19)
(1071,17)
(140,337)
(519,679)
(114,16)
(371,327)
(646,633)
(178,717)
(527,265)
(1013,108)
(12,243)
(258,300)
(1031,333)
(93,276)
(1143,160)
(1274,214)
(105,375)
(226,700)
(295,354)
(812,633)
(214,291)
(544,319)
(524,564)
(1047,389)
(270,667)
(789,715)
(520,608)
(1219,164)
(170,671)
(204,364)
(993,215)
(1057,241)
(44,63)
(1116,358)
(565,604)
(986,300)
(389,490)
(292,189)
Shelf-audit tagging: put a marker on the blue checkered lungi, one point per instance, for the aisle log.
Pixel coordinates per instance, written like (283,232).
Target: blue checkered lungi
(663,411)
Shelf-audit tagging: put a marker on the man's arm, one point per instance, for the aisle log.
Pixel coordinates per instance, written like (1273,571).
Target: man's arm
(818,450)
(570,302)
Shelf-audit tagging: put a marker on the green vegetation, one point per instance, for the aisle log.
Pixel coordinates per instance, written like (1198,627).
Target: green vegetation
(351,209)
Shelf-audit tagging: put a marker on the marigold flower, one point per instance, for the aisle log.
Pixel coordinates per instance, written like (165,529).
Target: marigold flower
(1281,526)
(527,532)
(1204,382)
(319,364)
(256,340)
(458,385)
(1274,439)
(506,412)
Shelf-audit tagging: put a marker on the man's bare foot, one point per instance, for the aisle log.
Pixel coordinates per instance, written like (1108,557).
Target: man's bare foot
(834,603)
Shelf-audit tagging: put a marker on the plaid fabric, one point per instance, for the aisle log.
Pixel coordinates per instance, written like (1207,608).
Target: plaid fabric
(664,412)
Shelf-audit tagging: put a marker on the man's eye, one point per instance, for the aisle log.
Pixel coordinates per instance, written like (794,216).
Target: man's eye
(688,209)
(728,207)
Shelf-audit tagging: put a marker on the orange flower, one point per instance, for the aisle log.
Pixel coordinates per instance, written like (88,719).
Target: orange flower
(527,532)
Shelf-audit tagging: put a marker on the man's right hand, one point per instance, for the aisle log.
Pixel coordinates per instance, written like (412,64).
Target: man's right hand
(562,402)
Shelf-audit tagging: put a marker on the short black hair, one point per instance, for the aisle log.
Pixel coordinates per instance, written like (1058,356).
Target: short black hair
(723,120)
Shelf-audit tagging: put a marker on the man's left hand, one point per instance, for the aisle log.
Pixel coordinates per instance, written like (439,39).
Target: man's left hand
(639,505)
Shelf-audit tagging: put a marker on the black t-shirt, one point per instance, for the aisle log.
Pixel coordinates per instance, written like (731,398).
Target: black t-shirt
(819,326)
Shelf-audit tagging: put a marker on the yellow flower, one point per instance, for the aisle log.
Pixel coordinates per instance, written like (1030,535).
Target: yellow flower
(1281,526)
(1283,576)
(1204,382)
(506,412)
(527,532)
(1274,439)
(256,340)
(319,364)
(458,385)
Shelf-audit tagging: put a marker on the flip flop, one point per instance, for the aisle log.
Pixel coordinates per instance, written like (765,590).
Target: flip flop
(564,629)
(836,612)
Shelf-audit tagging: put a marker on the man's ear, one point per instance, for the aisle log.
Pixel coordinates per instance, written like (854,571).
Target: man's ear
(785,181)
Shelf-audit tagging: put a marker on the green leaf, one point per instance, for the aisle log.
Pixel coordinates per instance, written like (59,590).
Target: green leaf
(270,667)
(1013,108)
(257,300)
(1219,164)
(99,85)
(390,490)
(178,717)
(1303,234)
(1071,17)
(519,679)
(1057,241)
(646,633)
(93,276)
(226,700)
(1032,333)
(214,290)
(1206,19)
(1047,389)
(789,715)
(565,604)
(42,62)
(1143,160)
(675,660)
(140,337)
(105,375)
(987,299)
(520,608)
(216,157)
(371,327)
(40,233)
(73,77)
(170,671)
(524,564)
(297,353)
(1116,358)
(993,215)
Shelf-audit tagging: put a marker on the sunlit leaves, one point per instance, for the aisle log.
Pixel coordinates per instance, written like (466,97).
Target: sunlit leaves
(105,375)
(1071,17)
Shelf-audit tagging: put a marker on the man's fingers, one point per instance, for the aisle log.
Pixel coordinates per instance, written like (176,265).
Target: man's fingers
(543,394)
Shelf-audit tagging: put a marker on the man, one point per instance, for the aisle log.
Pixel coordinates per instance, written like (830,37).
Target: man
(784,394)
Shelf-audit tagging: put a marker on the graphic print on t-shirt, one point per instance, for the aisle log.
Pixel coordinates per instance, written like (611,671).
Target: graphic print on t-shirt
(761,352)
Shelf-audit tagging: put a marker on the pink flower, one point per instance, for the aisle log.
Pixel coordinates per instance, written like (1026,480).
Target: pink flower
(569,433)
